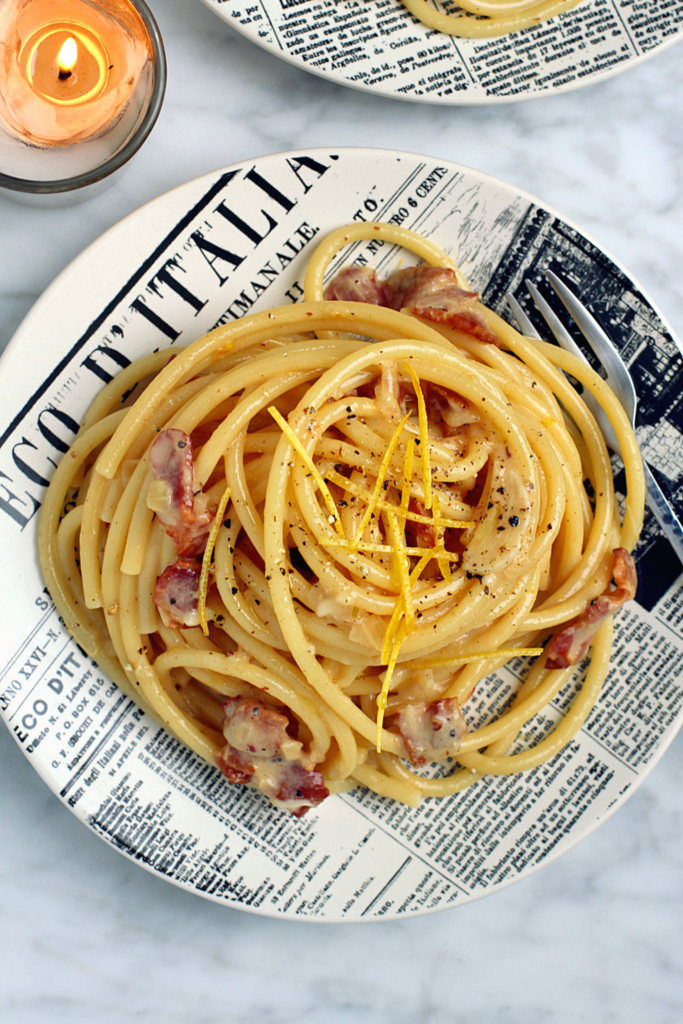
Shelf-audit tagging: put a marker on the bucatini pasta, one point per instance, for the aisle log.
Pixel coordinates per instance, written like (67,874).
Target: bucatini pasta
(317,529)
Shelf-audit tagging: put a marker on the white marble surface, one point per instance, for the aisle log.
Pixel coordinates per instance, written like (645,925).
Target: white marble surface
(86,936)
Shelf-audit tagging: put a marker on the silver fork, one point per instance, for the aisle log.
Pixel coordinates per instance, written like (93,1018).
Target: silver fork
(617,377)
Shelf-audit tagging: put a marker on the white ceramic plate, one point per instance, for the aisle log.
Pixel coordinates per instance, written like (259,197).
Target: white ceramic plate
(164,274)
(377,46)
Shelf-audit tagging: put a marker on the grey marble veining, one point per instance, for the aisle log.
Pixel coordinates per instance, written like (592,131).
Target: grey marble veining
(595,937)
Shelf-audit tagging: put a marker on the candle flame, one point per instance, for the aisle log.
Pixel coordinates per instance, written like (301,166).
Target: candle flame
(67,56)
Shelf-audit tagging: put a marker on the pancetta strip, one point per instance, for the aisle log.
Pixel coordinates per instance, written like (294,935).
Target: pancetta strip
(290,786)
(172,496)
(258,730)
(455,308)
(357,284)
(431,732)
(446,409)
(176,594)
(260,751)
(571,643)
(430,293)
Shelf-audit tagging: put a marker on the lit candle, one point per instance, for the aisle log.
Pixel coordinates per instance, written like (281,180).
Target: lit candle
(76,80)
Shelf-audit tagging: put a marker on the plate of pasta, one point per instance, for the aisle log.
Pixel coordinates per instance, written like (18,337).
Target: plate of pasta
(323,575)
(472,52)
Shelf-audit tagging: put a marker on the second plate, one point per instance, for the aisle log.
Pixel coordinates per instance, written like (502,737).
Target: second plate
(377,46)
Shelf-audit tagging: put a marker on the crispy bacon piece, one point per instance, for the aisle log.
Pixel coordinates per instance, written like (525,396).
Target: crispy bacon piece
(431,732)
(294,785)
(258,730)
(170,459)
(431,293)
(287,785)
(414,284)
(260,751)
(445,408)
(571,643)
(357,284)
(237,767)
(449,307)
(176,594)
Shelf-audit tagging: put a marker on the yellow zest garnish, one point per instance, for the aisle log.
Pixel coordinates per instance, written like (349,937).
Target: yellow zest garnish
(367,547)
(397,530)
(512,652)
(424,435)
(390,633)
(425,556)
(444,562)
(298,446)
(398,609)
(392,643)
(337,542)
(402,569)
(439,553)
(386,506)
(206,560)
(407,478)
(384,466)
(384,693)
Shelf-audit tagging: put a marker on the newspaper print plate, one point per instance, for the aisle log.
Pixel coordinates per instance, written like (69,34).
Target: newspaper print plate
(167,274)
(378,46)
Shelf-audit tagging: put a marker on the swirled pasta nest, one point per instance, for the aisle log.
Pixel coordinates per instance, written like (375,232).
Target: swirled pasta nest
(375,514)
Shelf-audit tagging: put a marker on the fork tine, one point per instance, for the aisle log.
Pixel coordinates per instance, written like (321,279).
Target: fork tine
(562,335)
(523,322)
(619,380)
(565,341)
(618,376)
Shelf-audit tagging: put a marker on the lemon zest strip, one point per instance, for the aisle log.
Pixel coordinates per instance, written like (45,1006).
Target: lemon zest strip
(398,610)
(424,435)
(390,632)
(306,458)
(386,506)
(407,478)
(384,466)
(440,545)
(384,693)
(403,570)
(512,652)
(367,547)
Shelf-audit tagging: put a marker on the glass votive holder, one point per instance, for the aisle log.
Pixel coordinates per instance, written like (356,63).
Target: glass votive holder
(81,87)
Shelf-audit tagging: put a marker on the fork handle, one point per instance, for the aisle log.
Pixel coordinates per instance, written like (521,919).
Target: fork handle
(663,513)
